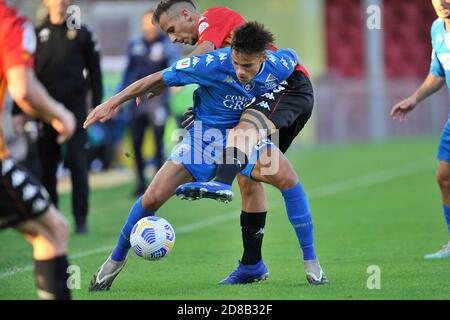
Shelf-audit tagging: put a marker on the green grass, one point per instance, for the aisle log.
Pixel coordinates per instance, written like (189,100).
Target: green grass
(391,218)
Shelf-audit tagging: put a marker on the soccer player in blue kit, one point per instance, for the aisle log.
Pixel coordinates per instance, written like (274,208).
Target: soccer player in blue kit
(229,79)
(439,74)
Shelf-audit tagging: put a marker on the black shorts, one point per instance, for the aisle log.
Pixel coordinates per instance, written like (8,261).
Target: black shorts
(22,197)
(289,107)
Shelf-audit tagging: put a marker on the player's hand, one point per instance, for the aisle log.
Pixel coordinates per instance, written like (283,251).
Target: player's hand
(190,118)
(401,109)
(102,113)
(65,125)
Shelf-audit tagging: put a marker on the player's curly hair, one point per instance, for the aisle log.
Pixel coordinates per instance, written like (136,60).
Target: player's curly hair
(252,37)
(165,5)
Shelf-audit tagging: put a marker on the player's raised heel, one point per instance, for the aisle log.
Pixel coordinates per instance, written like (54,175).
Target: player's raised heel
(210,190)
(247,274)
(104,277)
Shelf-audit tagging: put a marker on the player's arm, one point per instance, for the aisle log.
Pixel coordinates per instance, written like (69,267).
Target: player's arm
(431,85)
(203,48)
(434,81)
(32,98)
(151,85)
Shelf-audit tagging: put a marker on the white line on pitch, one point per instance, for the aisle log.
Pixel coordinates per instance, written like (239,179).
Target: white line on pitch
(319,192)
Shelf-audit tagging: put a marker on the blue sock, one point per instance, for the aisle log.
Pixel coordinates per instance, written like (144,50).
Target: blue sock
(123,245)
(299,214)
(447,216)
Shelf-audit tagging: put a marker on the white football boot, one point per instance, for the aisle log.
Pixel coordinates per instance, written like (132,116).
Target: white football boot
(441,254)
(314,273)
(104,277)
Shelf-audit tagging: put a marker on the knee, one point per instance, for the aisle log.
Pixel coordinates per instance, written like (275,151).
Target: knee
(152,200)
(443,179)
(59,232)
(51,237)
(286,180)
(249,188)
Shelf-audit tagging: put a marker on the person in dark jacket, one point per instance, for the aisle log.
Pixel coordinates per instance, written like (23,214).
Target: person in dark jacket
(68,65)
(147,54)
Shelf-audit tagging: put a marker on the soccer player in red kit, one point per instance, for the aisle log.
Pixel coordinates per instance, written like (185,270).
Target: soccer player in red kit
(24,203)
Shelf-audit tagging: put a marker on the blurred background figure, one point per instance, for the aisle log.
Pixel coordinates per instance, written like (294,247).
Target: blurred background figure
(68,64)
(24,204)
(148,54)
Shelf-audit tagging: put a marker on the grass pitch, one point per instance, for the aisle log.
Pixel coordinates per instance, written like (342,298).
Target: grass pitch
(372,205)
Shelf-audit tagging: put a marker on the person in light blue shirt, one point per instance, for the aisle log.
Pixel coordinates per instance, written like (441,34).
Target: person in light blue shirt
(439,75)
(219,102)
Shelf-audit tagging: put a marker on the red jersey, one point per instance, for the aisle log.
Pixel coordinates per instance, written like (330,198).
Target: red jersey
(17,45)
(217,26)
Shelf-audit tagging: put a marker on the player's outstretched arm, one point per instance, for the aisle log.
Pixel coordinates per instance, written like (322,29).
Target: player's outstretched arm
(152,85)
(431,85)
(32,98)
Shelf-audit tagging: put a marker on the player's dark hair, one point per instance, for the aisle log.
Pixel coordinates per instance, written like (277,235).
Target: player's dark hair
(165,5)
(252,37)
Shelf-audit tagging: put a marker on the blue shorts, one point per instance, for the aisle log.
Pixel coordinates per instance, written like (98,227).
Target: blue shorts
(201,151)
(444,146)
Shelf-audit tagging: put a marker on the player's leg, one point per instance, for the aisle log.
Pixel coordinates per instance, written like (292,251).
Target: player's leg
(265,115)
(282,109)
(253,219)
(163,186)
(274,168)
(48,235)
(76,160)
(253,127)
(25,205)
(443,180)
(251,267)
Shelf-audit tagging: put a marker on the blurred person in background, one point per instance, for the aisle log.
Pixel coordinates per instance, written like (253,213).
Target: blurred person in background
(64,54)
(148,54)
(24,204)
(438,76)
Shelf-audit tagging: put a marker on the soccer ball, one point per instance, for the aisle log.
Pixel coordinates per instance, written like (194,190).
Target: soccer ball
(152,238)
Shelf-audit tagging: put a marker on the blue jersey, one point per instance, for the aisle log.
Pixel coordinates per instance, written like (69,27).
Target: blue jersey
(440,60)
(221,98)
